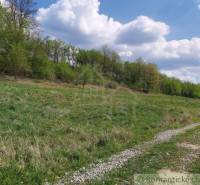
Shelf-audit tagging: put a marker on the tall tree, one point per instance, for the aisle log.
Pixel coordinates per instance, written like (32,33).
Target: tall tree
(21,14)
(17,23)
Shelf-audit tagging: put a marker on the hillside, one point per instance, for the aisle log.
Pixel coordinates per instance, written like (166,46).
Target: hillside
(48,129)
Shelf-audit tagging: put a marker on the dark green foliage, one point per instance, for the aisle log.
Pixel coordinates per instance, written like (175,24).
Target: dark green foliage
(42,68)
(89,75)
(190,90)
(142,76)
(111,85)
(91,57)
(171,86)
(18,63)
(64,72)
(24,54)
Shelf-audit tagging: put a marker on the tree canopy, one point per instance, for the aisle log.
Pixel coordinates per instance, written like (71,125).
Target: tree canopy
(24,53)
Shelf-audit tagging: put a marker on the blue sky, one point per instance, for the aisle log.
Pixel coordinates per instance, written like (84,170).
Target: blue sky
(165,32)
(44,3)
(182,15)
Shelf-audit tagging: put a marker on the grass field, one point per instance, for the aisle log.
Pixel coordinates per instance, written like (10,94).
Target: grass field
(48,129)
(162,157)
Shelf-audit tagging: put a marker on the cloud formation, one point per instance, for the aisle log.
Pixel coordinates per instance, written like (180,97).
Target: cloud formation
(80,22)
(168,50)
(185,73)
(142,30)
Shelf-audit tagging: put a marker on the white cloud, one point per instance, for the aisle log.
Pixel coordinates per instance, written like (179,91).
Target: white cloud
(142,30)
(162,49)
(80,22)
(185,74)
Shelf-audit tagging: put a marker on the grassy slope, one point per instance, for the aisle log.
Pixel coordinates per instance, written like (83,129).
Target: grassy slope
(46,129)
(163,156)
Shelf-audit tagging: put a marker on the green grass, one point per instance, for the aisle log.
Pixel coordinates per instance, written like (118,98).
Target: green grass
(163,156)
(48,129)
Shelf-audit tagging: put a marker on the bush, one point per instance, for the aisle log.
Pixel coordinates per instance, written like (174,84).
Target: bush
(111,85)
(64,72)
(42,67)
(190,90)
(16,63)
(89,75)
(171,86)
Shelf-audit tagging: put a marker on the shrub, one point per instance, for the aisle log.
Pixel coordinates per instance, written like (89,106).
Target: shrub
(16,63)
(171,86)
(64,72)
(89,75)
(42,67)
(190,90)
(111,85)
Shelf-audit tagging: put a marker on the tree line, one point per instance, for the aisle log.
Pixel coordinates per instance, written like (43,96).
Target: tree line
(24,53)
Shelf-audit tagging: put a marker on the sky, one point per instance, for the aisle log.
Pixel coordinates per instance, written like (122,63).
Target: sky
(165,32)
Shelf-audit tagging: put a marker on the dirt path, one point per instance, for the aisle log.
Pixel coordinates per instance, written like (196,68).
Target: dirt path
(97,171)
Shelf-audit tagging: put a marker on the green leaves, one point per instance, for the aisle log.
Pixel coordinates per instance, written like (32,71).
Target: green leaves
(64,72)
(18,60)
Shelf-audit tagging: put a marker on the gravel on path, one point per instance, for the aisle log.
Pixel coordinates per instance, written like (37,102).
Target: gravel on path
(97,171)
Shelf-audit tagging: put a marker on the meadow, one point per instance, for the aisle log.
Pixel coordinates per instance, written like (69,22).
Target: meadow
(48,129)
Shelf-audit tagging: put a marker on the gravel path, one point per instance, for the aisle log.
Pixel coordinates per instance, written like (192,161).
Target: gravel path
(97,171)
